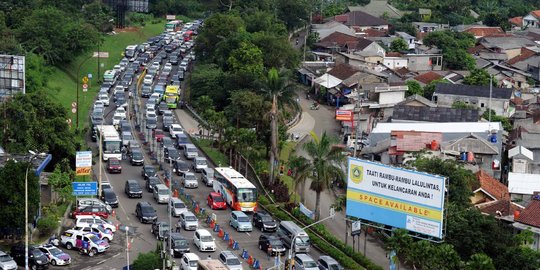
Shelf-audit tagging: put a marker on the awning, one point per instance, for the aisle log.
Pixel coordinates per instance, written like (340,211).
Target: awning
(327,81)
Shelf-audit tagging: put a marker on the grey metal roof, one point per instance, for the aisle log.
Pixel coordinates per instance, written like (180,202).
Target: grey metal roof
(472,91)
(529,140)
(472,143)
(434,114)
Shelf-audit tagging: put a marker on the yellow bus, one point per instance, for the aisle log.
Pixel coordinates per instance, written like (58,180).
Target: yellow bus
(172,96)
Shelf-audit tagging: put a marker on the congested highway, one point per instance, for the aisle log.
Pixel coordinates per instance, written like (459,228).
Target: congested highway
(130,229)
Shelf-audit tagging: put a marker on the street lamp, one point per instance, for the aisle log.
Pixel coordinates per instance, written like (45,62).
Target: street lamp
(32,157)
(127,247)
(292,250)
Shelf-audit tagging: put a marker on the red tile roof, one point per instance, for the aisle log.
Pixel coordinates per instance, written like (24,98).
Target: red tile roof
(504,207)
(393,54)
(492,186)
(524,54)
(531,214)
(428,77)
(535,13)
(518,21)
(336,39)
(343,71)
(476,49)
(341,18)
(483,31)
(374,33)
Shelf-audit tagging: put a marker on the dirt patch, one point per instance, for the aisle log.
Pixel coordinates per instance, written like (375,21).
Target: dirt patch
(126,29)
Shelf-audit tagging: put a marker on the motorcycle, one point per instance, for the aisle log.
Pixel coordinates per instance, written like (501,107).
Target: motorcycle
(314,107)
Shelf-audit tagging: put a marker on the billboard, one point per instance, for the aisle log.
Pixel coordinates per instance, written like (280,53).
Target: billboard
(396,197)
(344,115)
(83,162)
(12,76)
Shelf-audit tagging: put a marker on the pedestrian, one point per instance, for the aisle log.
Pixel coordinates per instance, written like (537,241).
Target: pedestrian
(209,257)
(177,228)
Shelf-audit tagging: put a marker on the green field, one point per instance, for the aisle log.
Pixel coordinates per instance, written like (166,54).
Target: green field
(62,80)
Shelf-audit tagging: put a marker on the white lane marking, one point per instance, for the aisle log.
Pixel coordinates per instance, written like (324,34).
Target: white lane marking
(248,234)
(116,255)
(102,261)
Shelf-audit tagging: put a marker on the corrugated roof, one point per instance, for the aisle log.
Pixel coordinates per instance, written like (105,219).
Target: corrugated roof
(471,143)
(343,71)
(524,54)
(482,31)
(473,90)
(492,186)
(434,114)
(520,151)
(523,183)
(449,127)
(336,39)
(360,18)
(531,214)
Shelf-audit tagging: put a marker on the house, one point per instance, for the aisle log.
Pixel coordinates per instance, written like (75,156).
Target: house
(529,219)
(532,19)
(522,186)
(330,27)
(358,60)
(366,46)
(478,96)
(427,77)
(395,60)
(490,189)
(500,209)
(509,77)
(521,159)
(479,31)
(479,151)
(379,8)
(408,114)
(417,101)
(424,62)
(516,23)
(427,27)
(334,42)
(411,41)
(509,45)
(364,21)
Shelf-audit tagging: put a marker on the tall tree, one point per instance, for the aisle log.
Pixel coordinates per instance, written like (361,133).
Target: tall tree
(399,45)
(414,88)
(326,161)
(301,170)
(478,77)
(279,90)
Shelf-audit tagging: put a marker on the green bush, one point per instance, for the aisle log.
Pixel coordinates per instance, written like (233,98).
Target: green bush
(47,224)
(145,261)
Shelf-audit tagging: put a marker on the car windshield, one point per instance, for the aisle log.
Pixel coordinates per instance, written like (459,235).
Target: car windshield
(150,170)
(247,195)
(182,165)
(180,242)
(164,227)
(233,261)
(218,199)
(151,120)
(37,253)
(163,192)
(275,242)
(179,205)
(55,251)
(190,177)
(173,152)
(110,195)
(5,258)
(267,219)
(148,210)
(310,264)
(207,238)
(137,155)
(335,267)
(94,238)
(243,219)
(201,162)
(114,162)
(302,240)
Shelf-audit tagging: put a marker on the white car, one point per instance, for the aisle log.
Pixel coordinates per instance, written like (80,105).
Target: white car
(117,118)
(148,79)
(184,65)
(6,262)
(189,261)
(69,237)
(204,241)
(177,207)
(87,220)
(121,111)
(104,98)
(98,104)
(99,230)
(55,255)
(167,67)
(150,109)
(175,129)
(155,65)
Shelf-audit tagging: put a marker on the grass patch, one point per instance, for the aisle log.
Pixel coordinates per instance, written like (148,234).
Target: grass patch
(214,154)
(63,79)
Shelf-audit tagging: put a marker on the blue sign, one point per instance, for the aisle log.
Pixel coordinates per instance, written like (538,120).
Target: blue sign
(304,210)
(84,188)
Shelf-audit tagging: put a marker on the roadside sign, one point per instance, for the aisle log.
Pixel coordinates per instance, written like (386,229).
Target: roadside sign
(89,76)
(84,188)
(100,55)
(85,86)
(73,104)
(74,109)
(356,228)
(170,17)
(85,80)
(83,162)
(344,115)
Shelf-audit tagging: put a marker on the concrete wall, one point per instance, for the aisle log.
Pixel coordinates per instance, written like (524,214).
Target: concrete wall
(422,62)
(391,97)
(395,62)
(481,103)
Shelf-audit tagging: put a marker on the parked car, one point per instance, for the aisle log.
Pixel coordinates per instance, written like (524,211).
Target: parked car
(7,262)
(189,180)
(240,221)
(96,210)
(216,201)
(180,244)
(159,228)
(264,222)
(328,263)
(55,255)
(203,240)
(113,165)
(189,261)
(158,134)
(273,242)
(133,189)
(167,122)
(100,231)
(73,239)
(148,171)
(303,261)
(36,258)
(176,207)
(230,260)
(109,197)
(145,212)
(87,220)
(151,182)
(83,202)
(188,221)
(161,193)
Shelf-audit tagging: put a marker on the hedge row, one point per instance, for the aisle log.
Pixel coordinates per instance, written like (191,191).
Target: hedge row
(352,260)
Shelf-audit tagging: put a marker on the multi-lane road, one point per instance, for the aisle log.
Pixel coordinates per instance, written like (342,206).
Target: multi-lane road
(139,235)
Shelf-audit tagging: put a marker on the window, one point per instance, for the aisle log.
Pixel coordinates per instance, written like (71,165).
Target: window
(482,105)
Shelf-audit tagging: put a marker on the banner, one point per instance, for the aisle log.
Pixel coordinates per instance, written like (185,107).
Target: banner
(83,162)
(344,115)
(306,211)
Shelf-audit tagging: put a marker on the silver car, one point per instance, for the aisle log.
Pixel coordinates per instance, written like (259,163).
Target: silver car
(190,180)
(188,221)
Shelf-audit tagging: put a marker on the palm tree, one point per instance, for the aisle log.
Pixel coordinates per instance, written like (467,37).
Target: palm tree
(326,163)
(300,172)
(280,91)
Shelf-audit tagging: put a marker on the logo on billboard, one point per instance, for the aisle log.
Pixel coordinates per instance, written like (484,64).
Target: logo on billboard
(357,174)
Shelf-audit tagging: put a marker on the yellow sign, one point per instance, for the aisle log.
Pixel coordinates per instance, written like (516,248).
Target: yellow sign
(356,173)
(83,170)
(85,80)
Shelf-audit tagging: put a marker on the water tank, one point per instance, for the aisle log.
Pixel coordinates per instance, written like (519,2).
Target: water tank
(434,145)
(463,156)
(470,156)
(516,214)
(493,138)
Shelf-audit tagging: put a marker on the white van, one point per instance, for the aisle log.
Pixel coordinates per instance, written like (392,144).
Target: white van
(207,176)
(161,193)
(287,230)
(190,151)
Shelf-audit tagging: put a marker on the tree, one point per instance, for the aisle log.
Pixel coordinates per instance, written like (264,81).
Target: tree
(245,109)
(61,182)
(209,81)
(301,170)
(326,161)
(293,13)
(277,51)
(145,261)
(99,15)
(430,88)
(480,261)
(280,91)
(462,105)
(12,180)
(399,45)
(217,28)
(454,46)
(400,242)
(505,122)
(246,59)
(478,77)
(414,88)
(458,59)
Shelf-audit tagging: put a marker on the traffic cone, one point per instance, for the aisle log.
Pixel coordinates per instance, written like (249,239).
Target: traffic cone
(231,242)
(117,224)
(250,260)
